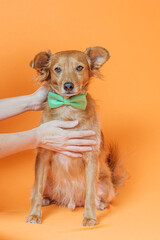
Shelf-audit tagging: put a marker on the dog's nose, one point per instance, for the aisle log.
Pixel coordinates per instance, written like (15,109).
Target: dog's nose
(68,86)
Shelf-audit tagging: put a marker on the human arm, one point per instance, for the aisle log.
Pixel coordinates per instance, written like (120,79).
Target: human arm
(13,106)
(11,143)
(53,135)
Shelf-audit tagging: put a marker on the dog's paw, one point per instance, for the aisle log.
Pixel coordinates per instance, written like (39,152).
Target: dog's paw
(33,219)
(89,222)
(102,205)
(46,202)
(71,205)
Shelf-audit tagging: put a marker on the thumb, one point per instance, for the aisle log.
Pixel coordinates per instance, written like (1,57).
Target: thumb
(66,124)
(44,89)
(46,86)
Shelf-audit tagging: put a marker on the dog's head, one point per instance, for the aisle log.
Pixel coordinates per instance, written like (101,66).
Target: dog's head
(68,72)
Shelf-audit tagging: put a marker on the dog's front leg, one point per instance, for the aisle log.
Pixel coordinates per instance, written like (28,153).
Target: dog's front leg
(41,170)
(89,217)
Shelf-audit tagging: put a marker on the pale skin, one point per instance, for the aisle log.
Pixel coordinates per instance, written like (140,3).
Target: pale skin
(53,135)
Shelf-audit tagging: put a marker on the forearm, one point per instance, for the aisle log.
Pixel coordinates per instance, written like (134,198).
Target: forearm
(13,106)
(15,142)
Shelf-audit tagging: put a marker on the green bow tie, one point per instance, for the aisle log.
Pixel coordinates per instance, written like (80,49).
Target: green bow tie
(55,101)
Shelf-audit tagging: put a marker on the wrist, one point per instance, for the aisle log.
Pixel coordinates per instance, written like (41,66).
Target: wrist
(34,137)
(32,103)
(38,139)
(29,102)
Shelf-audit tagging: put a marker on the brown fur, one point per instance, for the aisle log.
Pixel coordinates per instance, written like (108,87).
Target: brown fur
(93,180)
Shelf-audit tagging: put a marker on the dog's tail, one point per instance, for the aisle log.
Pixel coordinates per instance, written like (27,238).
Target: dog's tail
(117,169)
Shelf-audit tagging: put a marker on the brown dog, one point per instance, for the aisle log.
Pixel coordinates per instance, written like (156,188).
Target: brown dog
(91,181)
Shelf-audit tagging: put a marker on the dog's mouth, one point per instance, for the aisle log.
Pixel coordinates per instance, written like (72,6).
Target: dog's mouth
(69,94)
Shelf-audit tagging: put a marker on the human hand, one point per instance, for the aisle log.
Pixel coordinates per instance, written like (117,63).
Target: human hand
(39,97)
(54,136)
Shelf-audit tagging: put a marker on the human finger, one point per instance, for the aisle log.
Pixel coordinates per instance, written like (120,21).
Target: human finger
(42,91)
(80,142)
(65,124)
(78,149)
(71,154)
(80,134)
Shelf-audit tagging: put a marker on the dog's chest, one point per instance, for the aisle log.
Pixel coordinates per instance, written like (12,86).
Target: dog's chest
(68,176)
(68,113)
(65,113)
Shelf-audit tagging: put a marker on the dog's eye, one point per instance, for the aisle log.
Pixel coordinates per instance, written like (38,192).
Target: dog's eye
(79,68)
(57,69)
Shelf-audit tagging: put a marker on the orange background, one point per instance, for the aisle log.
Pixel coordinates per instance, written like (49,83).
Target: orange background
(129,109)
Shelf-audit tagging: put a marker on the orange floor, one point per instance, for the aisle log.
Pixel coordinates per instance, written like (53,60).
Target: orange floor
(128,103)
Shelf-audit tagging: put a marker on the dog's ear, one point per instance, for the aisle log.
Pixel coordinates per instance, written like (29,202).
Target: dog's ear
(41,63)
(97,56)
